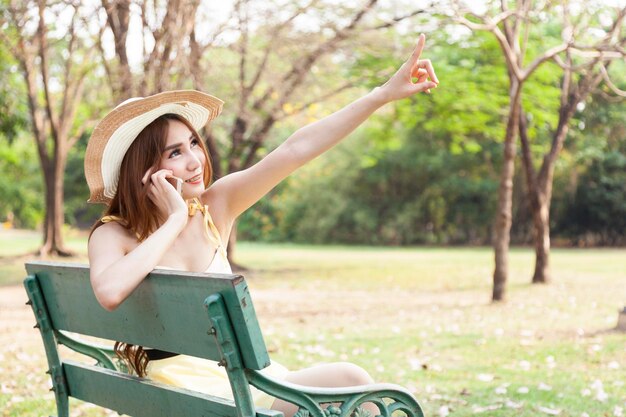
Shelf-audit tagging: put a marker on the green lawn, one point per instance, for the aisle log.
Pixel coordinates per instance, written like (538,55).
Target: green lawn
(419,317)
(18,246)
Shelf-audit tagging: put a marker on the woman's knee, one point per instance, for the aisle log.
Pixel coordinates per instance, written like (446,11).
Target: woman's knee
(352,374)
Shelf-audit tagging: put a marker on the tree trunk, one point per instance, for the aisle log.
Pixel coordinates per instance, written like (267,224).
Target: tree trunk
(539,191)
(538,203)
(541,234)
(502,230)
(53,226)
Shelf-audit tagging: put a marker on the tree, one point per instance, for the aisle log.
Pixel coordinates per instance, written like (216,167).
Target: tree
(510,27)
(54,60)
(163,62)
(514,30)
(584,68)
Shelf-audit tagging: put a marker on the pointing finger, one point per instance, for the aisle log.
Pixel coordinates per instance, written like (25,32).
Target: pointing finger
(417,52)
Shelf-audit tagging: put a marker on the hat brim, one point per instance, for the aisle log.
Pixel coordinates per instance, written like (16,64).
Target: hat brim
(112,137)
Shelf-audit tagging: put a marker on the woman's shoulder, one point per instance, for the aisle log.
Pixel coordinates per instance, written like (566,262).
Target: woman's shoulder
(113,233)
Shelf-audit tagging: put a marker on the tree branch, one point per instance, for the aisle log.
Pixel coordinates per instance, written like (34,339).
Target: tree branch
(321,98)
(512,60)
(295,76)
(543,58)
(69,63)
(43,55)
(266,53)
(529,168)
(399,19)
(84,127)
(242,16)
(607,79)
(508,31)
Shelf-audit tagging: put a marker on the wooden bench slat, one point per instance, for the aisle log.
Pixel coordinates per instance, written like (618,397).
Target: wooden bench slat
(156,314)
(120,392)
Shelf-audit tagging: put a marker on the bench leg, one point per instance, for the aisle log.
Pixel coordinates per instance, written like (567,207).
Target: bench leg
(37,303)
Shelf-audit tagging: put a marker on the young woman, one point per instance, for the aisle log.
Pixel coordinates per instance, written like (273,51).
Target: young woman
(146,161)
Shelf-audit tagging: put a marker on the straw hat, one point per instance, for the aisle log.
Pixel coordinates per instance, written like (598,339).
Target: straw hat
(112,137)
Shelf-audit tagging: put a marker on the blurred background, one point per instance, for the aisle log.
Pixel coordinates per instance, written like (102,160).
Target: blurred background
(421,171)
(522,146)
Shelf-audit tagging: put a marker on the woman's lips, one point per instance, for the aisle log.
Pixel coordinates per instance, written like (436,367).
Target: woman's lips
(194,180)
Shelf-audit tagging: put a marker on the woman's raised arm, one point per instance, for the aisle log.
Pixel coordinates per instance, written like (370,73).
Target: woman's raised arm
(244,188)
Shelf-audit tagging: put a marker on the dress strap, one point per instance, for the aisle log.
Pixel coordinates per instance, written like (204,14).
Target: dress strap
(112,218)
(209,227)
(122,222)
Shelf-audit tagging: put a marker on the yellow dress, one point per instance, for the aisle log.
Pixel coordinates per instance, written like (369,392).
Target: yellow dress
(198,374)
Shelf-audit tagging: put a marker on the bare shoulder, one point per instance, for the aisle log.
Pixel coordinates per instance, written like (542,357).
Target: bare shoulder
(113,236)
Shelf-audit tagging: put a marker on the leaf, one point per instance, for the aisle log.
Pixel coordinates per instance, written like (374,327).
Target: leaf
(478,409)
(544,387)
(550,411)
(485,377)
(514,405)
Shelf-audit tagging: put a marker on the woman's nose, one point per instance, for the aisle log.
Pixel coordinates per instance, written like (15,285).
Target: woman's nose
(193,161)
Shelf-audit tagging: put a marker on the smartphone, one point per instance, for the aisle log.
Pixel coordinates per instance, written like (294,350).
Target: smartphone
(177,183)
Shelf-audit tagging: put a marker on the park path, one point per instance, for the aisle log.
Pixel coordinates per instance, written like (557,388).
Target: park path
(276,308)
(16,318)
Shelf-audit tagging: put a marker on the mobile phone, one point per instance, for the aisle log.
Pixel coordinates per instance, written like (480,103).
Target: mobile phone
(176,183)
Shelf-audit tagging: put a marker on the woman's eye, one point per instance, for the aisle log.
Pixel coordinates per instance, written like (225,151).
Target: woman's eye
(194,142)
(174,153)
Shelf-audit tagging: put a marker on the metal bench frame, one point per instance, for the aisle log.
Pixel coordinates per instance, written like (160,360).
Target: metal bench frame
(219,324)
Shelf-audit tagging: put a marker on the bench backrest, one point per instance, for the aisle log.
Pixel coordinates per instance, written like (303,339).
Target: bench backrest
(165,312)
(168,311)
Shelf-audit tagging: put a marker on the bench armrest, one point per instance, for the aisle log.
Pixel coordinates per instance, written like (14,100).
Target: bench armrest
(350,399)
(101,353)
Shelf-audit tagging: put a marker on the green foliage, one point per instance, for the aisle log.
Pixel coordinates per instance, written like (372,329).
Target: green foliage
(423,170)
(426,170)
(599,205)
(78,212)
(420,172)
(13,112)
(589,182)
(21,183)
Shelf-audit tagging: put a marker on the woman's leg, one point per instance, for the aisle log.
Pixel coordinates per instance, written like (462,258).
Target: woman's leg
(332,375)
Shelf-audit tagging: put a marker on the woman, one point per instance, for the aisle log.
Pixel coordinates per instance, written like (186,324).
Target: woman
(146,160)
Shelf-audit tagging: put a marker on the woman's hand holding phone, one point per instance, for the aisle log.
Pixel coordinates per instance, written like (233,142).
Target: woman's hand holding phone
(165,191)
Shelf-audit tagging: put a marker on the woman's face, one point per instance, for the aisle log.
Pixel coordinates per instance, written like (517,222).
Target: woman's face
(184,156)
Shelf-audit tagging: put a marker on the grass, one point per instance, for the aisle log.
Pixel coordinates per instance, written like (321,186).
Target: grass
(18,246)
(419,317)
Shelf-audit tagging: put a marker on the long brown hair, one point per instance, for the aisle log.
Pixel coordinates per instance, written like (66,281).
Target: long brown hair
(135,210)
(133,356)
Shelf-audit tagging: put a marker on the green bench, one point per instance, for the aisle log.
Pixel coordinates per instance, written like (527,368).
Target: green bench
(208,316)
